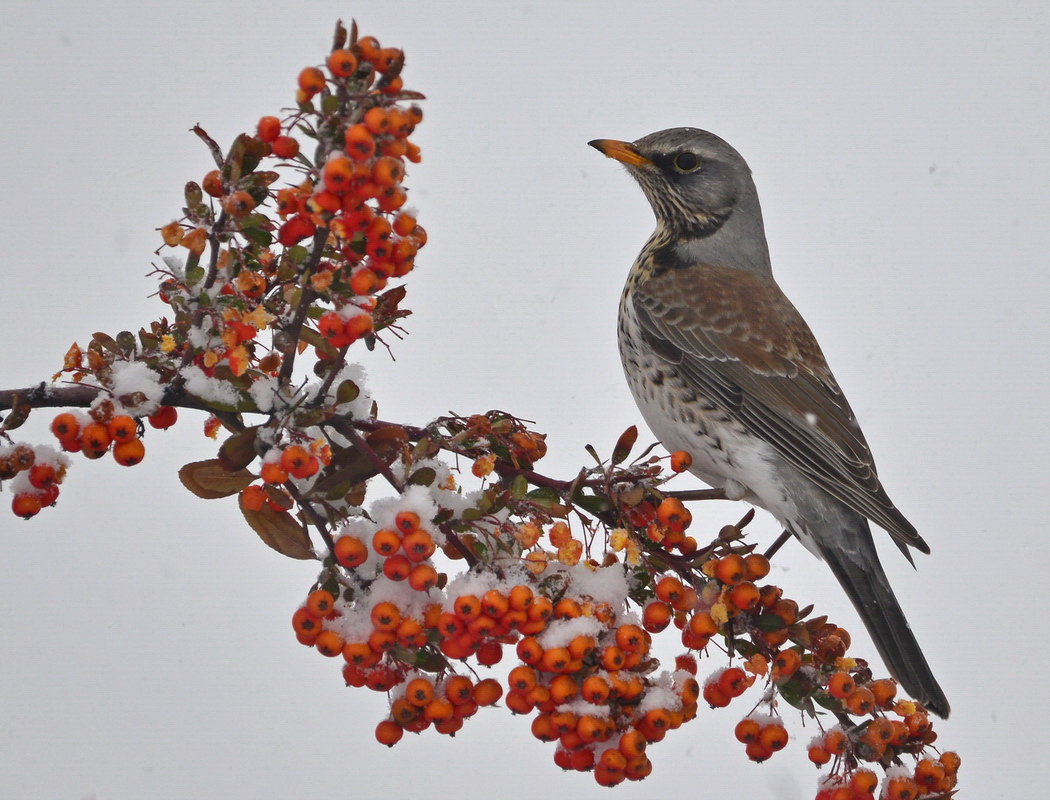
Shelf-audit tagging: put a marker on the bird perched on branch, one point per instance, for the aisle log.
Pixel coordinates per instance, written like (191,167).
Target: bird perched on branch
(723,366)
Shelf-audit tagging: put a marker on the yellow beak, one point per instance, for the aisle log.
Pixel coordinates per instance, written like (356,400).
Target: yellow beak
(623,152)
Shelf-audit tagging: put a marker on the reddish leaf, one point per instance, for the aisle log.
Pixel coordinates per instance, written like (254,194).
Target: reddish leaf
(211,480)
(281,531)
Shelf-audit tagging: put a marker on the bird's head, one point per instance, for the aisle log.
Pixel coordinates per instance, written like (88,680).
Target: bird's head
(702,193)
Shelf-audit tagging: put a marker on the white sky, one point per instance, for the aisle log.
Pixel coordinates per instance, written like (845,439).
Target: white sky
(900,153)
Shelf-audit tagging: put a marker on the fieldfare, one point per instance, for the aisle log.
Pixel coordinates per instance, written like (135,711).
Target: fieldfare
(723,366)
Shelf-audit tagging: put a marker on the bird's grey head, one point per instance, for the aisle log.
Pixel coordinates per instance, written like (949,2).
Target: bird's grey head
(701,191)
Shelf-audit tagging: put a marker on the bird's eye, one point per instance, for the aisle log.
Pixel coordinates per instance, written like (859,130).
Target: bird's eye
(686,162)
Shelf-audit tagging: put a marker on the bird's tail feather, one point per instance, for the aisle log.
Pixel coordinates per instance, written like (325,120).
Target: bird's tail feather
(855,562)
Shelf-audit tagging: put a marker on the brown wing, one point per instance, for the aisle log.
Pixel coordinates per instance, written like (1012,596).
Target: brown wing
(738,338)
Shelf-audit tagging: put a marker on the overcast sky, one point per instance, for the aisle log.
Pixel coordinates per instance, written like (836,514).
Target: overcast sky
(900,151)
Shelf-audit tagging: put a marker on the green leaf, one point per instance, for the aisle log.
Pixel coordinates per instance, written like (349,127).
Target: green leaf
(194,275)
(424,476)
(544,493)
(347,392)
(594,504)
(624,444)
(258,236)
(519,487)
(770,623)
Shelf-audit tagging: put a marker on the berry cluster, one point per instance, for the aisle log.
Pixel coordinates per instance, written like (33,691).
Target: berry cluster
(584,665)
(34,473)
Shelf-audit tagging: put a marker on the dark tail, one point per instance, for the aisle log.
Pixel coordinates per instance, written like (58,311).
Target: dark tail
(852,557)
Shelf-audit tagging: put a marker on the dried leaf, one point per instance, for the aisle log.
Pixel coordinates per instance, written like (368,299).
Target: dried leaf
(211,480)
(281,531)
(624,445)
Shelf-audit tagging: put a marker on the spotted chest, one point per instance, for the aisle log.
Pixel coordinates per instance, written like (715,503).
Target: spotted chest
(724,454)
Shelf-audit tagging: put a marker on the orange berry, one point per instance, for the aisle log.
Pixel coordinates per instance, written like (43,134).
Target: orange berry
(529,650)
(41,475)
(212,183)
(733,681)
(376,120)
(841,684)
(285,147)
(681,460)
(518,703)
(863,780)
(786,664)
(387,171)
(489,653)
(556,659)
(901,788)
(631,639)
(731,569)
(423,577)
(656,616)
(26,505)
(311,80)
(338,174)
(860,701)
(835,741)
(360,144)
(757,566)
(342,63)
(773,736)
(818,754)
(669,589)
(612,658)
(95,437)
(294,459)
(329,643)
(386,542)
(467,607)
(715,696)
(121,428)
(459,689)
(673,514)
(563,689)
(238,204)
(744,596)
(747,730)
(386,616)
(595,689)
(268,129)
(306,623)
(757,751)
(389,732)
(883,690)
(65,426)
(164,417)
(368,47)
(702,624)
(407,522)
(350,551)
(397,567)
(129,452)
(320,602)
(273,472)
(487,692)
(951,761)
(419,691)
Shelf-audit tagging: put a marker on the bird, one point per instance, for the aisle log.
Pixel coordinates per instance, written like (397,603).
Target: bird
(723,366)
